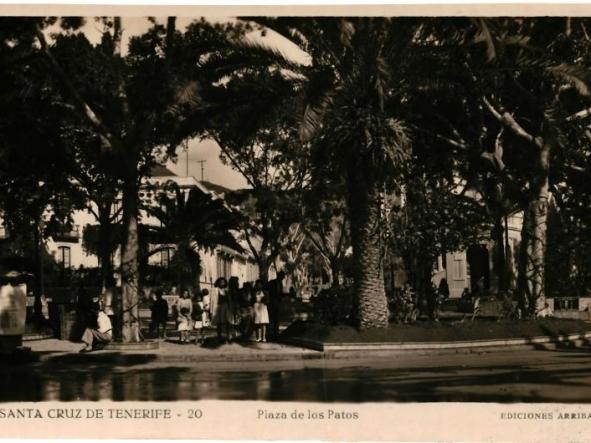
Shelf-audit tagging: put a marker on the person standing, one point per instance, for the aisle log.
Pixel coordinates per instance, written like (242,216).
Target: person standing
(205,298)
(234,304)
(223,314)
(275,291)
(159,315)
(212,302)
(198,318)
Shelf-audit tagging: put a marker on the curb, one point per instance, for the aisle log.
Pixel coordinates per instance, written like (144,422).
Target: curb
(146,345)
(577,339)
(34,337)
(316,350)
(115,357)
(237,358)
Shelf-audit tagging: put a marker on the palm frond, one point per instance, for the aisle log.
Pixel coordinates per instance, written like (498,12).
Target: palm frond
(347,29)
(246,54)
(288,27)
(313,116)
(577,76)
(186,96)
(396,142)
(485,36)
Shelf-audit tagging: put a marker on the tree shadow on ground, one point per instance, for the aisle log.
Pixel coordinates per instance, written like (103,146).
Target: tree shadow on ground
(501,384)
(560,341)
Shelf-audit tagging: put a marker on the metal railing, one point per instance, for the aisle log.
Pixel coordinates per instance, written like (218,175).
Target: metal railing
(566,303)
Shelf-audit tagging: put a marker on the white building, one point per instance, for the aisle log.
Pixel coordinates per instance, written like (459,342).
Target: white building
(67,248)
(222,261)
(464,268)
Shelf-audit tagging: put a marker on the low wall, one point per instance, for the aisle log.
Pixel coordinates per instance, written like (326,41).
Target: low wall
(568,304)
(572,314)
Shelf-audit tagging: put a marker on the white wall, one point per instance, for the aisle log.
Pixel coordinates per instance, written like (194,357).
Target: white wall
(78,257)
(458,273)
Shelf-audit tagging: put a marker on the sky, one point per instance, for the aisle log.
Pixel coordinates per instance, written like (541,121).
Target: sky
(214,170)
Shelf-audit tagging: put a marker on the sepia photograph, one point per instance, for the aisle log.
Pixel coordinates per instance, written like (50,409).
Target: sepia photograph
(327,210)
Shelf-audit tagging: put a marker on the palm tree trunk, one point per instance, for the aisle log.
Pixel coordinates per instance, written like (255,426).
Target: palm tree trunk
(370,306)
(129,260)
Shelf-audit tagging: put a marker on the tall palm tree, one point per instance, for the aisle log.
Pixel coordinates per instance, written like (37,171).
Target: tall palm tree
(347,99)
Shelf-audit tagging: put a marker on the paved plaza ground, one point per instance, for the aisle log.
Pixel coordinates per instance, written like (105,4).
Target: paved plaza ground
(558,375)
(170,350)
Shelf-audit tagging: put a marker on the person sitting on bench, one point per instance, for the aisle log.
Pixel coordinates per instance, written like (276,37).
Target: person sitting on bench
(102,335)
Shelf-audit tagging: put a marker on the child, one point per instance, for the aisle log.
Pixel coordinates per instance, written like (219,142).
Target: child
(261,316)
(199,317)
(184,322)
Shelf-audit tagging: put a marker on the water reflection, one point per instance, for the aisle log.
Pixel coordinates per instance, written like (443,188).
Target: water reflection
(161,384)
(315,384)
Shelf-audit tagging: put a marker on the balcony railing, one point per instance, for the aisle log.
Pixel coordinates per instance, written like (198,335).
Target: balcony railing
(72,235)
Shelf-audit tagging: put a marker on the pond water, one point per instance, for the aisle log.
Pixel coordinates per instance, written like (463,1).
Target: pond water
(527,376)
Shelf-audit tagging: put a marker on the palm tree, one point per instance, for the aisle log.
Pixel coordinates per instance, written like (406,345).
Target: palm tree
(348,100)
(191,220)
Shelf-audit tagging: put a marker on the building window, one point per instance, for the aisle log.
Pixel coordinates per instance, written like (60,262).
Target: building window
(224,265)
(64,256)
(165,256)
(458,268)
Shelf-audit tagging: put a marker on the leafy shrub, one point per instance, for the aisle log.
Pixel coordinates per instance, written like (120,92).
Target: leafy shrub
(333,306)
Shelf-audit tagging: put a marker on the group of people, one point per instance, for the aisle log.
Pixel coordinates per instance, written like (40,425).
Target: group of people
(235,312)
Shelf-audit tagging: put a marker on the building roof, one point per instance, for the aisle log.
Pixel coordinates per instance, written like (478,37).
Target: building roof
(161,171)
(218,189)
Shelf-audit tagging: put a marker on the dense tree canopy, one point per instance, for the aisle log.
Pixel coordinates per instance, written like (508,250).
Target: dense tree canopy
(414,135)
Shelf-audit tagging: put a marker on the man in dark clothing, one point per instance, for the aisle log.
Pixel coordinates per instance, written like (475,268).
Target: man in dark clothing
(275,291)
(159,315)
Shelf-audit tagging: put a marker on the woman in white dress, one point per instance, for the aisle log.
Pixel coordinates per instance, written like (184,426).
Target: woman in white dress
(185,309)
